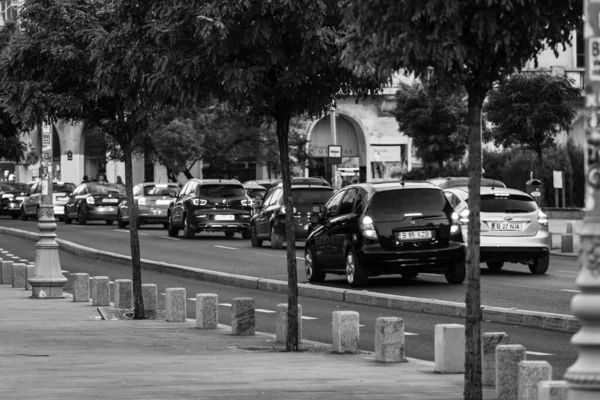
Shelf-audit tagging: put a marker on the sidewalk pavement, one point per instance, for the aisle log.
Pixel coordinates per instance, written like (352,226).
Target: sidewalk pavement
(558,227)
(59,349)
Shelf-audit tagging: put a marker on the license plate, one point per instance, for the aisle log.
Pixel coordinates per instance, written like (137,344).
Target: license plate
(413,235)
(506,227)
(110,200)
(224,217)
(163,202)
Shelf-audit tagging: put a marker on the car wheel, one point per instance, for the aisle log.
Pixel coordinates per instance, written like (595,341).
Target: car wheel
(166,225)
(81,217)
(276,241)
(457,273)
(171,230)
(120,223)
(256,242)
(23,216)
(314,274)
(229,234)
(67,220)
(409,274)
(109,222)
(539,266)
(246,234)
(355,273)
(495,265)
(188,232)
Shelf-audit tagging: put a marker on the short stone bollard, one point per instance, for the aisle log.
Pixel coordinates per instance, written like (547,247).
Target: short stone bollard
(345,332)
(553,390)
(124,293)
(18,276)
(281,323)
(7,269)
(531,373)
(566,243)
(100,289)
(207,311)
(175,305)
(489,341)
(449,354)
(508,357)
(149,296)
(29,273)
(81,287)
(243,319)
(389,340)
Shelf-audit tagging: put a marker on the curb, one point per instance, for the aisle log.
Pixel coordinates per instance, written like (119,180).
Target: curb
(535,319)
(567,255)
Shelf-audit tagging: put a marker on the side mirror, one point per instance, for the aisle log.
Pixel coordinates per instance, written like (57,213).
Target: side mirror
(315,218)
(172,194)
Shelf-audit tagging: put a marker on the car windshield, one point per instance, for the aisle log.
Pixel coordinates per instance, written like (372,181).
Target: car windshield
(511,204)
(5,187)
(63,187)
(486,182)
(311,196)
(223,191)
(96,188)
(255,192)
(21,186)
(395,204)
(161,190)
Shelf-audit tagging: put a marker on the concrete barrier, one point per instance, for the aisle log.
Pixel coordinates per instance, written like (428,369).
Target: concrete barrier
(449,354)
(389,340)
(207,311)
(18,276)
(243,319)
(281,323)
(149,296)
(7,270)
(345,332)
(100,289)
(124,293)
(531,373)
(553,390)
(489,341)
(566,243)
(81,287)
(29,273)
(508,357)
(175,305)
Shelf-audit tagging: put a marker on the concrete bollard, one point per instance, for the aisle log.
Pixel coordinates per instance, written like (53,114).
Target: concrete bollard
(18,276)
(175,305)
(207,311)
(100,288)
(489,341)
(281,327)
(243,319)
(345,332)
(81,287)
(123,293)
(149,296)
(553,390)
(389,340)
(29,273)
(7,267)
(449,348)
(531,373)
(508,357)
(566,243)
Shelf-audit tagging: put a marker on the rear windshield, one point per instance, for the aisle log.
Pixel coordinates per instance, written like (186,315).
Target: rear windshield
(255,192)
(311,196)
(507,204)
(161,190)
(63,187)
(484,182)
(394,204)
(105,189)
(223,191)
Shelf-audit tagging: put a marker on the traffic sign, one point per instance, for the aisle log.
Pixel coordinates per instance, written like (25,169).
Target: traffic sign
(334,151)
(594,59)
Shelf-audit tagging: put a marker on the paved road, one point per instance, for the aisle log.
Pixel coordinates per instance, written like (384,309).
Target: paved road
(514,286)
(551,346)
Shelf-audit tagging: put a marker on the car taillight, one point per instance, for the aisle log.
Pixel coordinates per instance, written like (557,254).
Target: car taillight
(199,202)
(461,218)
(542,219)
(247,202)
(7,196)
(142,201)
(90,200)
(367,227)
(282,210)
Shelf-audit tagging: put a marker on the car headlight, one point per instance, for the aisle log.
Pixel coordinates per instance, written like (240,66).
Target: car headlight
(199,202)
(90,200)
(142,201)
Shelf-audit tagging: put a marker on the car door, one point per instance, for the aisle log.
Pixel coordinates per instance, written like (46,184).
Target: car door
(325,245)
(180,203)
(273,205)
(33,199)
(71,206)
(342,227)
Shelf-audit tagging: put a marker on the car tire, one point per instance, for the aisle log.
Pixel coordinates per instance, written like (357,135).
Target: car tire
(495,266)
(255,241)
(312,267)
(188,232)
(171,230)
(229,234)
(246,234)
(276,241)
(409,274)
(81,217)
(539,266)
(109,221)
(23,216)
(457,273)
(356,275)
(120,223)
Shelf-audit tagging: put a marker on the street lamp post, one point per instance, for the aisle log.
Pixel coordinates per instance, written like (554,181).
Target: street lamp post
(334,179)
(48,280)
(584,376)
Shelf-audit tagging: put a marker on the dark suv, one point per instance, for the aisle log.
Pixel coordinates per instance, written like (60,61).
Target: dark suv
(212,205)
(373,229)
(268,222)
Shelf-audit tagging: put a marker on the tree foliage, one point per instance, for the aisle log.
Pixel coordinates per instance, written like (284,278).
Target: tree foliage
(436,126)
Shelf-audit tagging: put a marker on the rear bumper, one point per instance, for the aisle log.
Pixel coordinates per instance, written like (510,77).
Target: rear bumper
(207,223)
(513,254)
(300,229)
(102,212)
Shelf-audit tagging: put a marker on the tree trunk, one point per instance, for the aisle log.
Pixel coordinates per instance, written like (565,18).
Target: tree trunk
(472,386)
(134,239)
(283,128)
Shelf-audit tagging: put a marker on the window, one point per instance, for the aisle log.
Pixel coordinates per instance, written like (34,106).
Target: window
(511,204)
(332,206)
(347,204)
(394,204)
(359,206)
(62,187)
(136,190)
(221,191)
(580,48)
(105,189)
(454,201)
(159,190)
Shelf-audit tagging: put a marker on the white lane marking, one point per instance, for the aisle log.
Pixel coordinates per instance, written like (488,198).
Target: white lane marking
(438,275)
(168,237)
(191,299)
(15,257)
(121,230)
(309,318)
(537,353)
(266,254)
(225,304)
(262,310)
(226,247)
(300,258)
(64,271)
(23,260)
(4,251)
(570,290)
(111,281)
(410,334)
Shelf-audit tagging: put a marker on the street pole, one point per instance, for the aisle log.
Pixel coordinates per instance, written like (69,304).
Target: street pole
(584,376)
(334,179)
(48,280)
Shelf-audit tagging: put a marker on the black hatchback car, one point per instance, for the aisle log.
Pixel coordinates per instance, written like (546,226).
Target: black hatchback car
(372,229)
(94,201)
(211,205)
